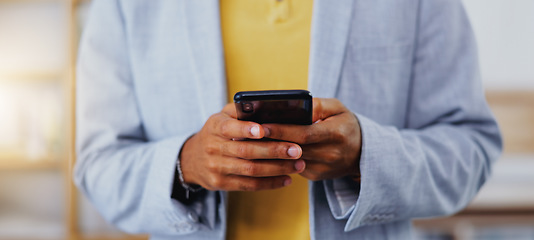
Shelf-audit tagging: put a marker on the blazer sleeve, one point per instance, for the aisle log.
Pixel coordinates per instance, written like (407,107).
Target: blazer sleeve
(128,178)
(437,163)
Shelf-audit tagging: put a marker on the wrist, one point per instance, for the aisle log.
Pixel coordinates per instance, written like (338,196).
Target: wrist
(183,161)
(189,188)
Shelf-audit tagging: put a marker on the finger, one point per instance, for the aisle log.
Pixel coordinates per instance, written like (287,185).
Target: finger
(241,183)
(316,171)
(261,150)
(314,133)
(335,129)
(230,110)
(321,152)
(261,168)
(227,127)
(324,108)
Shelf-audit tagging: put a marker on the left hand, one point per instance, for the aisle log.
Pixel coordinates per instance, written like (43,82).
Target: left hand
(331,146)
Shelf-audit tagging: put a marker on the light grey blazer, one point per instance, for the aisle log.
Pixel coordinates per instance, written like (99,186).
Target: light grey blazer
(151,72)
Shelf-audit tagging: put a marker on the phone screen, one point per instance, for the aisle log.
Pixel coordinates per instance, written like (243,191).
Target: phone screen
(283,106)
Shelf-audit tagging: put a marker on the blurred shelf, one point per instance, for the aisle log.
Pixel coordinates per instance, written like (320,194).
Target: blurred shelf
(27,165)
(30,227)
(14,161)
(514,111)
(29,1)
(69,226)
(109,237)
(505,203)
(33,76)
(510,96)
(449,223)
(476,227)
(80,1)
(509,189)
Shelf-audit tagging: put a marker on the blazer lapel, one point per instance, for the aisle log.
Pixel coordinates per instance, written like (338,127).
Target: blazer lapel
(329,34)
(202,18)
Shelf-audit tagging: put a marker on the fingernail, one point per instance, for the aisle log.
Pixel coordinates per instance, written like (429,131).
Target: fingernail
(299,165)
(267,132)
(293,152)
(255,131)
(287,182)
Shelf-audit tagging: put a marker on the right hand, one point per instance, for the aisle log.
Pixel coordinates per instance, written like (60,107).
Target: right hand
(213,159)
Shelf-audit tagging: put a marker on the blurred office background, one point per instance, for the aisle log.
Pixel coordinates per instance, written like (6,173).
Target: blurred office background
(38,42)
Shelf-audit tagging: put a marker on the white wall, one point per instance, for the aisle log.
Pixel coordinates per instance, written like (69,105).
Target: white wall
(505,34)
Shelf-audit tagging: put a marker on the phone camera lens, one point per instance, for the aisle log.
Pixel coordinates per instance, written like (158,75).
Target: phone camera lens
(248,107)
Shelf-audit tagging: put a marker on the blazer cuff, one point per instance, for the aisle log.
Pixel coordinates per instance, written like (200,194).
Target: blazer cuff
(342,195)
(373,137)
(182,218)
(159,186)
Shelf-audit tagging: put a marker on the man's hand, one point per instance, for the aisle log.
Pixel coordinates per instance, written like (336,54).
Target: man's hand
(212,159)
(331,146)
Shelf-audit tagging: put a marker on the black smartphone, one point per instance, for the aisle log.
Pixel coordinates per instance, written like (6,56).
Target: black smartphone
(275,106)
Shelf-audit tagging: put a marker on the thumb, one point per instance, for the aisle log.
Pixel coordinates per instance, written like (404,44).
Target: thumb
(324,108)
(230,110)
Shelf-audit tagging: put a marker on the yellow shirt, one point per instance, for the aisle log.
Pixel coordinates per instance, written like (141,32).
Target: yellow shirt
(266,46)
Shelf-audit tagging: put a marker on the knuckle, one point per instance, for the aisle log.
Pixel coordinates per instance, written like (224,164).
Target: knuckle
(248,186)
(335,103)
(338,134)
(222,148)
(211,148)
(210,188)
(314,177)
(216,181)
(276,133)
(323,169)
(332,156)
(228,107)
(249,169)
(306,174)
(242,150)
(212,166)
(225,129)
(308,136)
(213,121)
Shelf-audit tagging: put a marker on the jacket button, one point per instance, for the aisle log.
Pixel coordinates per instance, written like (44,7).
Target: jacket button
(192,216)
